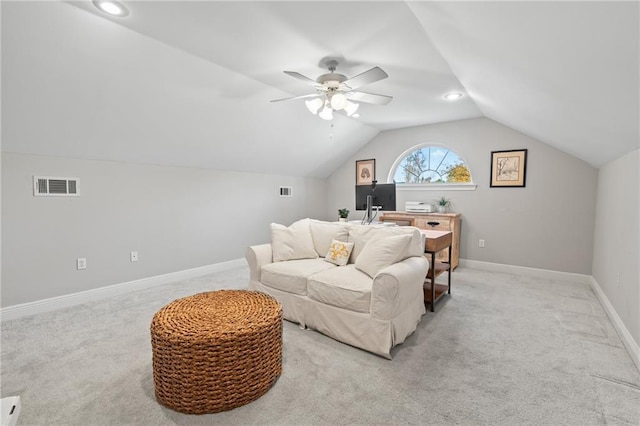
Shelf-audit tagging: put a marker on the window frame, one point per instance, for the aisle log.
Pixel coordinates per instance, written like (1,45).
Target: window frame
(428,186)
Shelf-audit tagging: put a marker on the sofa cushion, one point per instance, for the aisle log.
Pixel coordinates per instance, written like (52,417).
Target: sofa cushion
(324,232)
(379,253)
(344,287)
(293,242)
(360,235)
(291,276)
(339,252)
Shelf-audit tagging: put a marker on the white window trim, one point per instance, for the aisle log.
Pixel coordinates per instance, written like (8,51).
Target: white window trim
(436,186)
(470,186)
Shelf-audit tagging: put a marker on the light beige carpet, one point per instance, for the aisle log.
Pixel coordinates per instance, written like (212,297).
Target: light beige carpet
(502,349)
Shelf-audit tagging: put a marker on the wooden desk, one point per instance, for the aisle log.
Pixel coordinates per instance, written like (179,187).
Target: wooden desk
(446,222)
(434,242)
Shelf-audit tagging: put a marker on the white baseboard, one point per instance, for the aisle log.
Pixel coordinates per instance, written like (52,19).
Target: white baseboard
(523,270)
(625,336)
(59,302)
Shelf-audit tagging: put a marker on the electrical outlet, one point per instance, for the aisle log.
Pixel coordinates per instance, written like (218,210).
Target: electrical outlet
(134,256)
(481,243)
(81,263)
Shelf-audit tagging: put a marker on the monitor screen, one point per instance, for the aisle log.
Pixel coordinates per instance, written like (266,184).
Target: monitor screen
(384,196)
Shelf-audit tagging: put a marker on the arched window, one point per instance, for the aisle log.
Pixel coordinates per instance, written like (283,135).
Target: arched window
(431,165)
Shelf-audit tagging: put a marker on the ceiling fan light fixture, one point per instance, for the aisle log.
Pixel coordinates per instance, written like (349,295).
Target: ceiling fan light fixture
(326,113)
(335,91)
(453,96)
(350,108)
(314,105)
(338,101)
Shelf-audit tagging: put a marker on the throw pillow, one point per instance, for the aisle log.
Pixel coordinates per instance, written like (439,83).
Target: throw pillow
(339,252)
(361,235)
(293,242)
(324,232)
(379,253)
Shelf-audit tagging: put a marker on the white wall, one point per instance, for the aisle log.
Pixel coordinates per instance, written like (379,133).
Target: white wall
(615,254)
(548,224)
(176,218)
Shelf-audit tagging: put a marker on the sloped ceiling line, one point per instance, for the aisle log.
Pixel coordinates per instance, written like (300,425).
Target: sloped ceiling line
(220,63)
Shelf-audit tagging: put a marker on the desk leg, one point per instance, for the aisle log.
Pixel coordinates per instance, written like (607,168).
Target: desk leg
(450,270)
(433,280)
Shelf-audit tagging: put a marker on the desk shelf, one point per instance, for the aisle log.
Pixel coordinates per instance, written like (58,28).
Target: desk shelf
(440,267)
(441,289)
(435,242)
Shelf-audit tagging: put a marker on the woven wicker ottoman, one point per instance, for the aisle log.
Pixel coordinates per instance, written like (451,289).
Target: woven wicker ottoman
(216,351)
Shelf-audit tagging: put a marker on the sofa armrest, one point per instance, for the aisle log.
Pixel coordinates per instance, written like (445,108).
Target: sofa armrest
(398,286)
(257,257)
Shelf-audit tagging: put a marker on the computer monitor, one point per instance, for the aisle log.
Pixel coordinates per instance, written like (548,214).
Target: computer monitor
(383,196)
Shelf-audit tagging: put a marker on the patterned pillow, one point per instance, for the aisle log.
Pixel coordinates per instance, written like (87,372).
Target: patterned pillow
(339,252)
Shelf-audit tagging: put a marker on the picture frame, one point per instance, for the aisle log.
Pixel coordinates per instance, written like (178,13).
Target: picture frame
(509,168)
(365,172)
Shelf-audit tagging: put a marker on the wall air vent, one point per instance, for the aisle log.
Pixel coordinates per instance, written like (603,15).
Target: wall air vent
(47,186)
(286,191)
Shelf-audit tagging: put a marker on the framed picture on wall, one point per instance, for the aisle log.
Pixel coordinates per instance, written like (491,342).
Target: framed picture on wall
(508,168)
(365,172)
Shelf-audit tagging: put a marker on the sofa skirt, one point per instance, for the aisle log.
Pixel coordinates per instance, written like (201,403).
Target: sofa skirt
(354,328)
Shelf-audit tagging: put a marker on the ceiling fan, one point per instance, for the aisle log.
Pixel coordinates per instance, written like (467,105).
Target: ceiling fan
(336,92)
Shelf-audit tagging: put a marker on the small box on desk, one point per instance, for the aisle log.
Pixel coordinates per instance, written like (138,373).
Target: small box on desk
(418,207)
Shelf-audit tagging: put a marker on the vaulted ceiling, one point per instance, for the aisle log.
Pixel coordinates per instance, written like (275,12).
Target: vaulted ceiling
(189,83)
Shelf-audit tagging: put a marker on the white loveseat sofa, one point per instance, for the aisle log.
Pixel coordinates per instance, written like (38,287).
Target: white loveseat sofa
(372,302)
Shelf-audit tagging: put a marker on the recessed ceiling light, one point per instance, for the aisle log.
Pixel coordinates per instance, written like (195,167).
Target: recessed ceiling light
(112,7)
(453,96)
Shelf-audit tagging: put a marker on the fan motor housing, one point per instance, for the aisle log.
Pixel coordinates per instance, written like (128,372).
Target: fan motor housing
(331,79)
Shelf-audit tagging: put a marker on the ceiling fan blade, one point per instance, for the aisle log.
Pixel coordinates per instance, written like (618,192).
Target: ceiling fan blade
(369,98)
(367,77)
(315,95)
(305,79)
